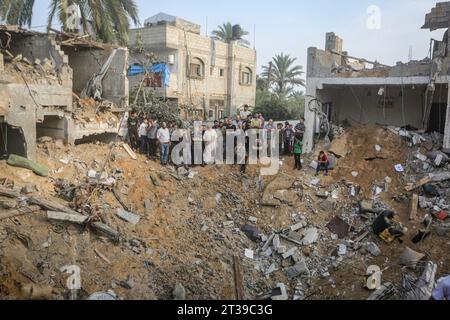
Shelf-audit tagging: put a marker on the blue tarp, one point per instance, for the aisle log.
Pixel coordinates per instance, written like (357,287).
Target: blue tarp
(162,68)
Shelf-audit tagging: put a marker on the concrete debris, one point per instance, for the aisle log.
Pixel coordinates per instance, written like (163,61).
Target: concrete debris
(299,269)
(342,249)
(373,249)
(179,293)
(128,216)
(338,227)
(374,278)
(420,289)
(271,269)
(279,293)
(289,253)
(410,258)
(249,254)
(311,236)
(253,220)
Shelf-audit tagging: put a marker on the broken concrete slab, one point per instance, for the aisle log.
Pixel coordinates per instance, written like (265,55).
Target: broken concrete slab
(439,177)
(299,269)
(61,216)
(311,236)
(271,269)
(250,254)
(327,205)
(289,253)
(128,216)
(373,249)
(366,206)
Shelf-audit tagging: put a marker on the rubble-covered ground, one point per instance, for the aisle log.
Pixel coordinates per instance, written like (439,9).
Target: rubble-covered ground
(191,225)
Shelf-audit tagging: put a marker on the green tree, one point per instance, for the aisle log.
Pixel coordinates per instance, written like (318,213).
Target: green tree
(279,108)
(284,74)
(225,33)
(109,19)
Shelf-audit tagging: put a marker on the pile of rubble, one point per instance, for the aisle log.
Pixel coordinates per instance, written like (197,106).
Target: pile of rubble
(36,72)
(137,231)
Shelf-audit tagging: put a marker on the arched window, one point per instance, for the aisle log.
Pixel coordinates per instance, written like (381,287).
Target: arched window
(197,68)
(246,76)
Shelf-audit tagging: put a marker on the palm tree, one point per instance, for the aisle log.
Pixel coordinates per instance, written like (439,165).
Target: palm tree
(16,12)
(109,19)
(284,74)
(225,33)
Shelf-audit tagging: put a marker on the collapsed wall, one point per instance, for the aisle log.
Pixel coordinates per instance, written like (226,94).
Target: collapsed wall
(35,83)
(41,83)
(342,89)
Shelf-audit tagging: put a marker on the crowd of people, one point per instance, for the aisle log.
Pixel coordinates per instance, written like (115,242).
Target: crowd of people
(151,138)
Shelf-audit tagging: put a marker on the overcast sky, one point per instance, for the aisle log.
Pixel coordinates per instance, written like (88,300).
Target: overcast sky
(291,26)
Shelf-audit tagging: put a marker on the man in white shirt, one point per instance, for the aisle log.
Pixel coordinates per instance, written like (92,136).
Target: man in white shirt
(163,136)
(210,139)
(245,113)
(143,136)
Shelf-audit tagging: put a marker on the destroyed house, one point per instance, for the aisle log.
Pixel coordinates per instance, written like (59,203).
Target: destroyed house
(206,78)
(342,89)
(47,85)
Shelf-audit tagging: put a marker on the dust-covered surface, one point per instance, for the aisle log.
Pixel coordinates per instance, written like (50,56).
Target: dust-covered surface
(190,228)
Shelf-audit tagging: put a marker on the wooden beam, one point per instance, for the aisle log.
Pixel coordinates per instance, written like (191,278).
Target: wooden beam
(18,212)
(410,187)
(240,294)
(130,151)
(9,193)
(413,206)
(61,216)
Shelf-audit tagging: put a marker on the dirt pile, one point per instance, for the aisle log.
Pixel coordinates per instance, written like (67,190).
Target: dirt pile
(369,155)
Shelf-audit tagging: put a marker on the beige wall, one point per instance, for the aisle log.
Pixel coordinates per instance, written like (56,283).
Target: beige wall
(198,92)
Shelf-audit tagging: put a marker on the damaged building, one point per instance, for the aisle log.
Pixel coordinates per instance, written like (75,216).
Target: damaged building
(48,83)
(342,89)
(208,79)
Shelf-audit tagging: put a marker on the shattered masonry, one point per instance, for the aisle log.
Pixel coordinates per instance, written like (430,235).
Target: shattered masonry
(355,90)
(209,79)
(41,82)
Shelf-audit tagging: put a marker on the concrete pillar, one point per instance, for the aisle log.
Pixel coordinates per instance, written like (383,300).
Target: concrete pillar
(310,116)
(446,147)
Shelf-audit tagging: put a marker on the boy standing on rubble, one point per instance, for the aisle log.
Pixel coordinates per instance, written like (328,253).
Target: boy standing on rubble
(323,163)
(133,123)
(298,144)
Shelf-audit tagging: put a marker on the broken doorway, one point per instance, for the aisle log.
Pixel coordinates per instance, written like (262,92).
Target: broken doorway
(437,118)
(12,141)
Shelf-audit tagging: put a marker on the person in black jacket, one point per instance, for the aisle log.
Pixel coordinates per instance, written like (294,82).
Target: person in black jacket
(133,126)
